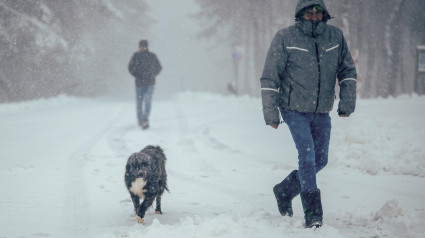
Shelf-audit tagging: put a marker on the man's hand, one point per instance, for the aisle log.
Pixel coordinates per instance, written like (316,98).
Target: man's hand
(342,114)
(275,126)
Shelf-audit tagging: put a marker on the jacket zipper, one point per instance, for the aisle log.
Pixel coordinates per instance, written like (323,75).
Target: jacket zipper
(318,66)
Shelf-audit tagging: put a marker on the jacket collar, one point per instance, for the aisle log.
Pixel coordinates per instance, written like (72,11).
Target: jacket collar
(306,27)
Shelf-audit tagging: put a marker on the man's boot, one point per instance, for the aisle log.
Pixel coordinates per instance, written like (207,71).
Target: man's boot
(312,205)
(285,191)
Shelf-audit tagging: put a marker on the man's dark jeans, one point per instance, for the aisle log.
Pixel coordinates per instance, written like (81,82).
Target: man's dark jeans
(311,133)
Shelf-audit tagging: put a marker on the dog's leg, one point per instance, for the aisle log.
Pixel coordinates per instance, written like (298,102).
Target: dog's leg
(147,202)
(136,201)
(158,205)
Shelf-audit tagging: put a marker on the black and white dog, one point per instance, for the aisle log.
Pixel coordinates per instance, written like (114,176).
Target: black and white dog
(146,178)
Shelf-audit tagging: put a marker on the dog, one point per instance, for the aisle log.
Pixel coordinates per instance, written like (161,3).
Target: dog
(146,178)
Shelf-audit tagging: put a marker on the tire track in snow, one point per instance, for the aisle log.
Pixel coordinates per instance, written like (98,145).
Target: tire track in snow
(78,220)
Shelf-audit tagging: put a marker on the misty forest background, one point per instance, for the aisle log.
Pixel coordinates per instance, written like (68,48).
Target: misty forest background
(76,47)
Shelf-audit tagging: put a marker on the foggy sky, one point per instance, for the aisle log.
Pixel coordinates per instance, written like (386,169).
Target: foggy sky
(188,62)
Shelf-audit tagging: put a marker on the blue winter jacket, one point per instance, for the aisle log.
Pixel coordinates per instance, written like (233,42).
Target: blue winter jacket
(302,67)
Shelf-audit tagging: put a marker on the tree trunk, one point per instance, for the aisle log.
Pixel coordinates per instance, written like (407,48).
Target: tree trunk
(392,48)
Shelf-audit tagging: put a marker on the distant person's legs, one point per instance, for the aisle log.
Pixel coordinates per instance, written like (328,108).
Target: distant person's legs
(139,104)
(145,105)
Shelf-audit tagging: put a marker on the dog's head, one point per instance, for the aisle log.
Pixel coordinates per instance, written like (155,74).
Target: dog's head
(147,164)
(139,165)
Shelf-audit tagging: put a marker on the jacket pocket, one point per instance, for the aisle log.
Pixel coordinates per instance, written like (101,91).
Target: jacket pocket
(289,96)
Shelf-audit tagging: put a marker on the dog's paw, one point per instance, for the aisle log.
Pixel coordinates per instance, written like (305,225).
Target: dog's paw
(158,212)
(140,220)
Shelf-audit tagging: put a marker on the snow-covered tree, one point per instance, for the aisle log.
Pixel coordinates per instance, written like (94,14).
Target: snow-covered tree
(64,46)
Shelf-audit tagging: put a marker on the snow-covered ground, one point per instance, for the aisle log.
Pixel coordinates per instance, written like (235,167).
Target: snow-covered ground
(62,169)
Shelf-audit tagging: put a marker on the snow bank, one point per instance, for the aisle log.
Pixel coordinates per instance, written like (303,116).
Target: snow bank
(253,225)
(383,136)
(389,221)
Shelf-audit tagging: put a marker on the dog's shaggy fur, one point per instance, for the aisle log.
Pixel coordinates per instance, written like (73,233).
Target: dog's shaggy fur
(146,178)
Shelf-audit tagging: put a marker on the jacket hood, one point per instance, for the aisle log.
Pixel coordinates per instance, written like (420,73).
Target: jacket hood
(307,3)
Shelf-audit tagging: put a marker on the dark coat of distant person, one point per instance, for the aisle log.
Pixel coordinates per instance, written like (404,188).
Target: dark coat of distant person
(144,66)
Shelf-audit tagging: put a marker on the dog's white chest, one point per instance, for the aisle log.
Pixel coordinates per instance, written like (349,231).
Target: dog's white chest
(137,187)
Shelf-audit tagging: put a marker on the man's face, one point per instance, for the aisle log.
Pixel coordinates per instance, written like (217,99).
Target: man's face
(313,15)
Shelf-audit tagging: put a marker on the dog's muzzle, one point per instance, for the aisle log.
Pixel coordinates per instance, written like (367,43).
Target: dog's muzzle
(141,174)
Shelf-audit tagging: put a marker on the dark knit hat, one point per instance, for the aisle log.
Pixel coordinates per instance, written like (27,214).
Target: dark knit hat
(143,43)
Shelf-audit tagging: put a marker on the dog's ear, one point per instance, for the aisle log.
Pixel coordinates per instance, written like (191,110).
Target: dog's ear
(127,167)
(148,147)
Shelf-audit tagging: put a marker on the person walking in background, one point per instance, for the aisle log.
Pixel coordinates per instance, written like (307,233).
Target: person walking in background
(302,66)
(144,66)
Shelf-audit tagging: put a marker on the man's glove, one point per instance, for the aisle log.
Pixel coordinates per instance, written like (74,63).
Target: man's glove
(341,113)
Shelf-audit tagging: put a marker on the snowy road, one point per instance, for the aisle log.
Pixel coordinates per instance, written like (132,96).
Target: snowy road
(62,168)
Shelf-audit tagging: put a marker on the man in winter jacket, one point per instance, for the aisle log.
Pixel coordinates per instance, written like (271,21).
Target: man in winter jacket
(302,66)
(144,66)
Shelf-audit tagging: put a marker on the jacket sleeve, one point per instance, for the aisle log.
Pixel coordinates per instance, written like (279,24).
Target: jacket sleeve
(158,66)
(347,79)
(270,80)
(132,65)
